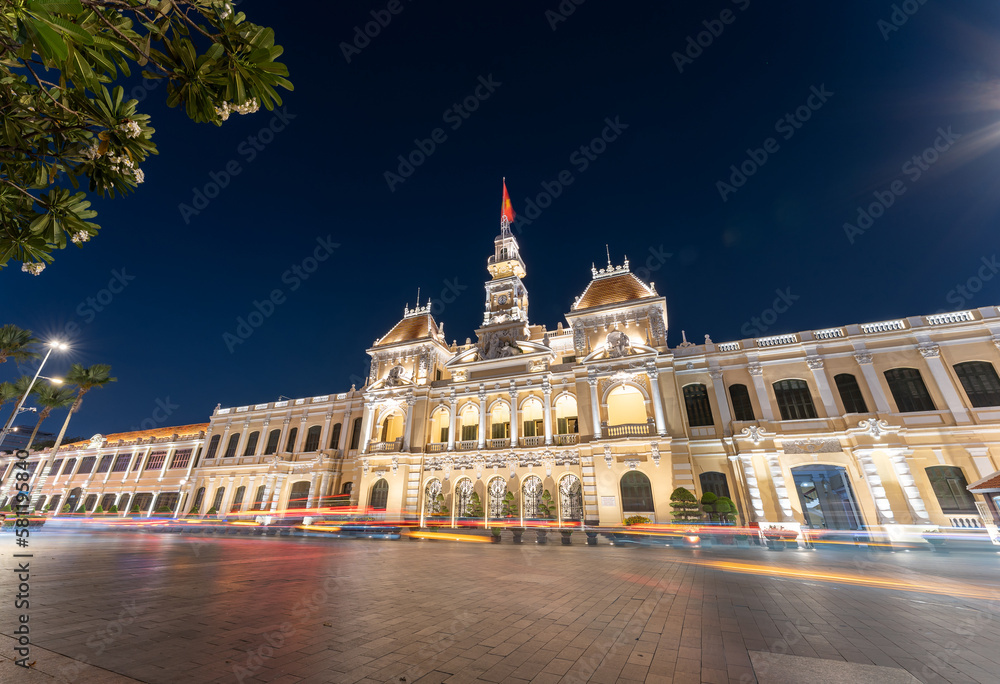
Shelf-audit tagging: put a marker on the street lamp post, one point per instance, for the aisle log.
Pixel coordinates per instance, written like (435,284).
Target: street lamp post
(61,346)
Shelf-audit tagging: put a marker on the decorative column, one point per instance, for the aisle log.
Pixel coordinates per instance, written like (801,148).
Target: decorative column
(900,463)
(366,427)
(654,387)
(345,429)
(279,483)
(778,480)
(268,487)
(166,462)
(152,502)
(981,457)
(143,461)
(513,414)
(452,419)
(757,373)
(932,353)
(547,410)
(753,488)
(260,442)
(870,472)
(227,498)
(815,364)
(224,442)
(864,360)
(312,491)
(595,407)
(720,398)
(482,416)
(324,486)
(408,422)
(300,436)
(324,434)
(248,494)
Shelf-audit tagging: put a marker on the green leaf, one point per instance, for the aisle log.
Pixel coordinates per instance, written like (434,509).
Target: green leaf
(61,6)
(49,43)
(70,28)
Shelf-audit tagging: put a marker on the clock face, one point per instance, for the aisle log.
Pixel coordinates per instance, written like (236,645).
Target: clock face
(502,299)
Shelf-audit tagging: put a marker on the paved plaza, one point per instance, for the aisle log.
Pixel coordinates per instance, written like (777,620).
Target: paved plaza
(165,608)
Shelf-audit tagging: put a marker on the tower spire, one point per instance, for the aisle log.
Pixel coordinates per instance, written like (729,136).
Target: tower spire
(608,250)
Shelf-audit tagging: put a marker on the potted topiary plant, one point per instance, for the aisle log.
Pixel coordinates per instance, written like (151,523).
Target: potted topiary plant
(567,537)
(546,511)
(511,512)
(495,535)
(621,537)
(685,506)
(112,509)
(708,500)
(65,508)
(99,510)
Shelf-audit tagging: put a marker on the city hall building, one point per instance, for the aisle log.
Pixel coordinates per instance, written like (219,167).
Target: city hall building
(873,425)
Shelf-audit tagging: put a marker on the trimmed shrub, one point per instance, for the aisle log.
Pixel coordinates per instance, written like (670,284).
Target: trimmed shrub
(685,505)
(636,520)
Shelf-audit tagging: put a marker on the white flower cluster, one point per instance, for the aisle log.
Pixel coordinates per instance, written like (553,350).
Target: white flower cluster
(34,268)
(92,152)
(124,165)
(130,129)
(225,8)
(248,107)
(79,236)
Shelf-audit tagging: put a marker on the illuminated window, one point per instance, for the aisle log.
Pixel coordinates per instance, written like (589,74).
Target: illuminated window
(626,406)
(156,460)
(181,458)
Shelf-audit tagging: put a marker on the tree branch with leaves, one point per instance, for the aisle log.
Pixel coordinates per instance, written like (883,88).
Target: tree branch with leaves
(64,119)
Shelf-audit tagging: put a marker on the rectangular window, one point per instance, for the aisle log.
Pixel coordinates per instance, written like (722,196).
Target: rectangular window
(68,468)
(156,460)
(529,428)
(105,463)
(87,464)
(55,467)
(121,463)
(500,430)
(699,410)
(137,462)
(742,407)
(444,434)
(181,458)
(470,432)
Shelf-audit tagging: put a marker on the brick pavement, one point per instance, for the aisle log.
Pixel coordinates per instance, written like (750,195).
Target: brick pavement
(317,611)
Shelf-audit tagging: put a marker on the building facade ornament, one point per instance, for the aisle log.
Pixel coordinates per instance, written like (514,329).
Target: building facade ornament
(863,358)
(755,369)
(814,362)
(812,446)
(875,427)
(929,351)
(754,433)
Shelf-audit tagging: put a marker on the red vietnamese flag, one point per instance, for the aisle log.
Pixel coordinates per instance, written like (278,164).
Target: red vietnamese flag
(506,208)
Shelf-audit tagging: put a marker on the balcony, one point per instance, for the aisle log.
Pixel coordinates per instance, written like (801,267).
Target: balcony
(565,440)
(502,443)
(532,441)
(437,447)
(647,429)
(467,445)
(381,447)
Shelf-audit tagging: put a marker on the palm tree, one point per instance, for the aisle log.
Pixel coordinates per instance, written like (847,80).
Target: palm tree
(16,343)
(85,379)
(49,397)
(13,391)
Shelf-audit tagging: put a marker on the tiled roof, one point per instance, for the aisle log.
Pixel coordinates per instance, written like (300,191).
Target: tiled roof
(158,433)
(611,290)
(987,484)
(410,329)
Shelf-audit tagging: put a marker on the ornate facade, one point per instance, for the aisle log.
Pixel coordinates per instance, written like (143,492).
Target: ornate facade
(877,425)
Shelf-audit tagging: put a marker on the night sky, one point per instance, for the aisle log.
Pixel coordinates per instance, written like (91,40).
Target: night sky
(683,115)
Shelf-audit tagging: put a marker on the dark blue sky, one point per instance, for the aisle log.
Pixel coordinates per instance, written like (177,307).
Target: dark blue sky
(652,191)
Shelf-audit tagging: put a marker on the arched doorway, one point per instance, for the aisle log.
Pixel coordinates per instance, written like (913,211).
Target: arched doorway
(379,496)
(73,500)
(826,497)
(571,498)
(299,495)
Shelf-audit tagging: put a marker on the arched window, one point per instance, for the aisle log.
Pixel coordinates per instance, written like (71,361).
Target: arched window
(312,438)
(909,390)
(347,488)
(566,415)
(499,421)
(699,410)
(571,498)
(470,422)
(238,499)
(637,495)
(258,500)
(234,442)
(626,405)
(290,444)
(380,495)
(531,495)
(980,382)
(199,497)
(356,433)
(298,497)
(439,425)
(742,407)
(463,498)
(108,501)
(251,443)
(714,482)
(850,393)
(532,423)
(335,436)
(213,446)
(794,400)
(219,493)
(949,487)
(272,442)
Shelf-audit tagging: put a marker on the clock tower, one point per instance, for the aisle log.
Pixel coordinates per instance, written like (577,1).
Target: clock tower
(505,319)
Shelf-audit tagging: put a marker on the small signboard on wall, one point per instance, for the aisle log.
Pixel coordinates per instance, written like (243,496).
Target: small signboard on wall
(608,501)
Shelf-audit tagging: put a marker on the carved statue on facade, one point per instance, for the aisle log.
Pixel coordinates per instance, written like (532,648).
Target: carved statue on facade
(396,376)
(618,344)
